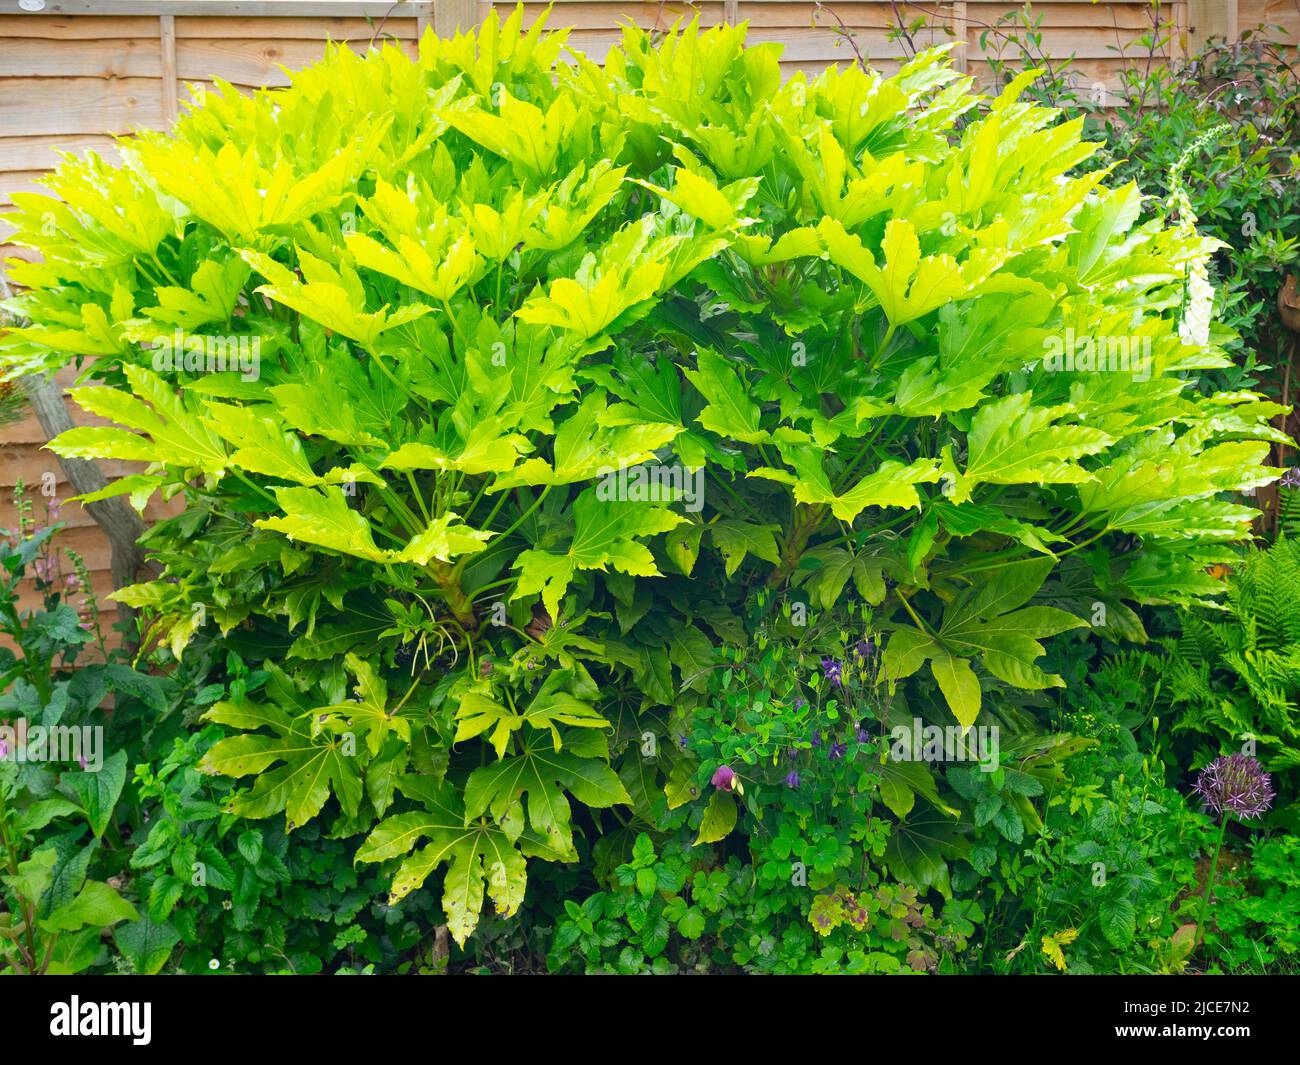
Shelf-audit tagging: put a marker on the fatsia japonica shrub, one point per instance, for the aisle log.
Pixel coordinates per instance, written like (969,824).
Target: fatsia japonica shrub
(498,386)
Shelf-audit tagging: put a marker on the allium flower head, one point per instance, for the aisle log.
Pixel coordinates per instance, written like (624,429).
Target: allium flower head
(1236,784)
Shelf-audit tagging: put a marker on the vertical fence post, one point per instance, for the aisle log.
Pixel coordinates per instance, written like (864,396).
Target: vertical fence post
(170,89)
(959,31)
(454,16)
(1210,18)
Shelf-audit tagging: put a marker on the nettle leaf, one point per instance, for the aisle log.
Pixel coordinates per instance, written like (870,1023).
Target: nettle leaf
(97,792)
(604,537)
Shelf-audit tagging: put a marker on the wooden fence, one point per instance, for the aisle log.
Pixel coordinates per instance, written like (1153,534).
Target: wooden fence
(73,74)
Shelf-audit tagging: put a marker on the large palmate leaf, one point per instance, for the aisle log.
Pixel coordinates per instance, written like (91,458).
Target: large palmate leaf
(261,445)
(908,285)
(372,712)
(984,623)
(730,413)
(332,296)
(325,519)
(310,766)
(552,706)
(174,433)
(605,536)
(485,858)
(1012,442)
(585,449)
(540,775)
(891,485)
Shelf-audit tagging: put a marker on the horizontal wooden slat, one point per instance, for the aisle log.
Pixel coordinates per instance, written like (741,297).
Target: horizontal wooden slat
(42,153)
(131,57)
(60,106)
(1284,14)
(252,63)
(1070,13)
(606,16)
(879,15)
(12,181)
(83,27)
(285,29)
(247,8)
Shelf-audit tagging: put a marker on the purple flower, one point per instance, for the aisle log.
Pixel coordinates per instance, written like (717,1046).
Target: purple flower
(724,777)
(816,739)
(4,750)
(792,781)
(860,734)
(1235,784)
(1291,479)
(838,749)
(832,669)
(799,701)
(865,648)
